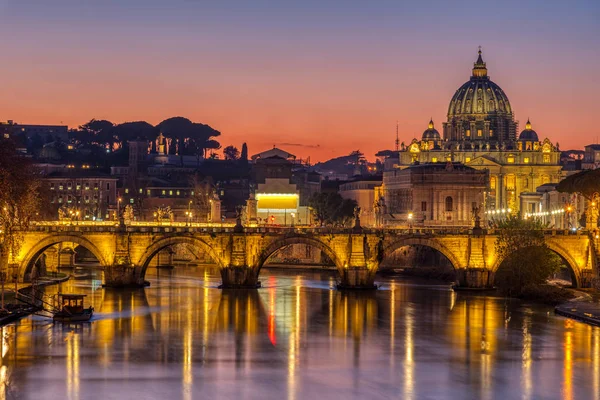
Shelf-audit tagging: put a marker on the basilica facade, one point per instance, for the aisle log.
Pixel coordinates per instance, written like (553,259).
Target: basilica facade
(481,133)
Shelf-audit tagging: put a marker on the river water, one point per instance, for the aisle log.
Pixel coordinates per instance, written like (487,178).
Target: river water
(298,338)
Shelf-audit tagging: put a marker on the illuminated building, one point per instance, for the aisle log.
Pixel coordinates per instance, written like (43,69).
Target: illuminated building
(87,191)
(591,158)
(362,190)
(480,132)
(432,195)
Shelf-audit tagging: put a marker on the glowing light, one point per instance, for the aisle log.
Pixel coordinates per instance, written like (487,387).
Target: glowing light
(277,201)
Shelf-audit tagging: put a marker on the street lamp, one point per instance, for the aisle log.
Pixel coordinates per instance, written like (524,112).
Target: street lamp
(410,218)
(293,215)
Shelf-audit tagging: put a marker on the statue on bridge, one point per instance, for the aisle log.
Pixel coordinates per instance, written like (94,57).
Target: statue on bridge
(591,222)
(357,227)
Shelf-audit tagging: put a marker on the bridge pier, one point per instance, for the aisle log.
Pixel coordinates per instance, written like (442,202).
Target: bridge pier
(475,278)
(353,278)
(239,277)
(122,275)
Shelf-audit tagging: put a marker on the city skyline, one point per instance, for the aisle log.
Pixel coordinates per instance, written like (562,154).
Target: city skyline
(316,80)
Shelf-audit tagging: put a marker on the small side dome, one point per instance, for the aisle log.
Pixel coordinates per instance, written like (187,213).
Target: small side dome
(528,134)
(431,133)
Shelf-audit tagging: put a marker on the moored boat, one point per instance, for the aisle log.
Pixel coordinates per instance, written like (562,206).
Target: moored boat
(71,309)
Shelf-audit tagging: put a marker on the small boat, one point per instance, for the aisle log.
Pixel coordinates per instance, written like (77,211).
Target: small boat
(71,309)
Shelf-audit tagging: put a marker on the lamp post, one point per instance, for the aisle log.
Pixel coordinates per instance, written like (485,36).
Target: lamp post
(410,219)
(293,215)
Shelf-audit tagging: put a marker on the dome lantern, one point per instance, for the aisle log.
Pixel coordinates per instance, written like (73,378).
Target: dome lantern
(479,68)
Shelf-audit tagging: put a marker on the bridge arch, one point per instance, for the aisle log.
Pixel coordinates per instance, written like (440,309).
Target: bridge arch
(421,241)
(36,251)
(279,244)
(164,242)
(564,255)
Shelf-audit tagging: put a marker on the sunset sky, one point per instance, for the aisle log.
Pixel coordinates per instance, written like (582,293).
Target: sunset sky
(317,78)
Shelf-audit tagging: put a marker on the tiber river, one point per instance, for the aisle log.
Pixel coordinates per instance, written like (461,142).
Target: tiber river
(298,338)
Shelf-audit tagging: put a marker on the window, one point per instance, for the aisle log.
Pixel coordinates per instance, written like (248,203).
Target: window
(511,182)
(148,192)
(141,191)
(546,158)
(434,159)
(479,133)
(510,159)
(60,199)
(87,186)
(170,193)
(95,186)
(526,160)
(164,192)
(52,186)
(126,190)
(491,133)
(178,193)
(60,186)
(468,132)
(468,159)
(131,200)
(423,206)
(69,186)
(78,186)
(108,186)
(493,182)
(449,205)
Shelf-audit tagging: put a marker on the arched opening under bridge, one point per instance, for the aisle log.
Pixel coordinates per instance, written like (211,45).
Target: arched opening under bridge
(508,273)
(54,253)
(421,258)
(178,257)
(289,256)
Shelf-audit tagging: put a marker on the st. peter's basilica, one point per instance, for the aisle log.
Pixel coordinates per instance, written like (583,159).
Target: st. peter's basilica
(481,133)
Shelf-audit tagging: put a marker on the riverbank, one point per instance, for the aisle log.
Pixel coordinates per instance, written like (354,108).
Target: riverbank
(15,311)
(583,308)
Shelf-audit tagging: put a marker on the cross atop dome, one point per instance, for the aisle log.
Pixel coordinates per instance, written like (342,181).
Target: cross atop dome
(479,68)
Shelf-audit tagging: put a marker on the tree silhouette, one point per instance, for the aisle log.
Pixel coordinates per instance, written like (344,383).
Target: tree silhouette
(231,153)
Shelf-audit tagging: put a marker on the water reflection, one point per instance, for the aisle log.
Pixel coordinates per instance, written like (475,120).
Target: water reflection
(298,338)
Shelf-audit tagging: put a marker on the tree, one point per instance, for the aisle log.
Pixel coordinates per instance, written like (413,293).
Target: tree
(192,138)
(19,200)
(332,208)
(200,201)
(526,259)
(231,153)
(244,155)
(586,183)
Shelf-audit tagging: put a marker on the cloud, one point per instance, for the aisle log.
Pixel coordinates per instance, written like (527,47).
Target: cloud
(310,146)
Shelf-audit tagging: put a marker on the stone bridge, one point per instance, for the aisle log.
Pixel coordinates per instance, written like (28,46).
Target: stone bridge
(126,251)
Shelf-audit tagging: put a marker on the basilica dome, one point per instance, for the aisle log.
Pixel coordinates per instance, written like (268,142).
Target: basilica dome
(431,133)
(479,95)
(528,134)
(480,110)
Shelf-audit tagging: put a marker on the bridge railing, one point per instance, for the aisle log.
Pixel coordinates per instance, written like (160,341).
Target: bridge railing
(143,226)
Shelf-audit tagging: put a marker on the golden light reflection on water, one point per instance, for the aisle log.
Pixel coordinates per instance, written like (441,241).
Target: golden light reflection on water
(596,360)
(568,361)
(409,347)
(526,381)
(290,329)
(72,364)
